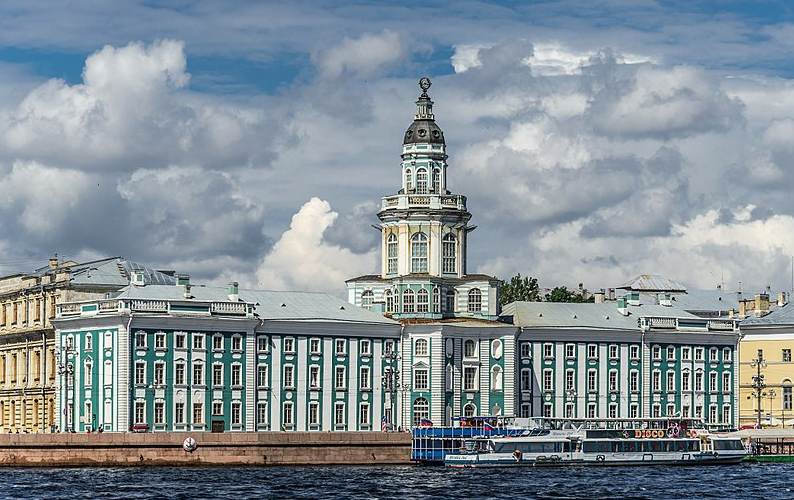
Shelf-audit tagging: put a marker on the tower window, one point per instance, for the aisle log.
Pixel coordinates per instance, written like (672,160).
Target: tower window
(422,301)
(421,181)
(408,181)
(449,301)
(391,253)
(389,301)
(437,180)
(408,301)
(419,253)
(366,299)
(449,251)
(475,300)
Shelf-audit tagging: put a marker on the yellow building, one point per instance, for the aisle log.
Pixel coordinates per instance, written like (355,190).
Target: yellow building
(29,361)
(766,371)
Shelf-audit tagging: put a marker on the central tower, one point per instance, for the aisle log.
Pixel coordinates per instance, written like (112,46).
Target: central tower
(424,229)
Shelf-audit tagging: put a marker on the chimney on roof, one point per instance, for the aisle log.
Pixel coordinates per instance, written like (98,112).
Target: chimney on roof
(610,294)
(781,299)
(731,314)
(598,297)
(761,304)
(53,262)
(234,291)
(742,309)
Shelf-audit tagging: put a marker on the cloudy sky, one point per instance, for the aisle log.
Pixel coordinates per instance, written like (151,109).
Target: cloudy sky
(248,140)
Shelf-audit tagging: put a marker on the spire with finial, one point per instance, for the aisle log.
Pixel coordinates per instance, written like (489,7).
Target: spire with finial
(424,106)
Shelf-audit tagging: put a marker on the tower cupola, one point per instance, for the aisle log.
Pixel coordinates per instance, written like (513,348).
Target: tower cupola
(424,128)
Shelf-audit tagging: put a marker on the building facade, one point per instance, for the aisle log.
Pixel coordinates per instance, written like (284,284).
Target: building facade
(424,232)
(172,358)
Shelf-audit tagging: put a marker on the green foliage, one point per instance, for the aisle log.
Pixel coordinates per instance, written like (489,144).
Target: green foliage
(562,294)
(519,289)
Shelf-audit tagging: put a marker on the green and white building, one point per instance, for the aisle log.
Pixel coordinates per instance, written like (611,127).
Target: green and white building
(171,358)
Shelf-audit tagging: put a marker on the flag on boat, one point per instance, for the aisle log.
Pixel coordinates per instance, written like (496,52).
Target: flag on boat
(383,423)
(488,427)
(425,422)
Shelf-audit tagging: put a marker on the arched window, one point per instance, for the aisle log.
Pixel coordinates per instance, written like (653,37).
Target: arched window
(421,181)
(475,300)
(496,378)
(469,410)
(449,249)
(422,301)
(408,301)
(420,347)
(366,299)
(391,253)
(436,300)
(421,411)
(450,300)
(470,349)
(437,180)
(408,181)
(389,301)
(419,253)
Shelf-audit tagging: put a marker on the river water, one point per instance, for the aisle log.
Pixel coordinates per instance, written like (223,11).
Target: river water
(769,481)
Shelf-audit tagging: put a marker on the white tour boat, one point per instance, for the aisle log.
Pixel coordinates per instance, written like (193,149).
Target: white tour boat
(602,442)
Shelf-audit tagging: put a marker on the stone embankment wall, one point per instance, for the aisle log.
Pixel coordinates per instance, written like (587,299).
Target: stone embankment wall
(261,448)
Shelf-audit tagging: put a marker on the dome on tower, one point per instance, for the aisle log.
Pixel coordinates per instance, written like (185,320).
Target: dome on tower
(424,128)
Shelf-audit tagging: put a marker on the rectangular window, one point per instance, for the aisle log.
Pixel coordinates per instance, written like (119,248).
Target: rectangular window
(656,381)
(236,413)
(698,354)
(787,397)
(727,355)
(591,410)
(670,353)
(786,356)
(713,414)
(288,381)
(198,413)
(314,377)
(237,375)
(314,346)
(656,353)
(140,372)
(526,350)
(713,382)
(289,345)
(339,378)
(548,410)
(198,341)
(237,343)
(217,374)
(420,379)
(287,417)
(570,351)
(714,356)
(726,382)
(217,408)
(685,378)
(364,348)
(198,374)
(469,378)
(314,413)
(698,381)
(140,412)
(570,380)
(261,413)
(613,381)
(140,340)
(363,378)
(726,414)
(179,413)
(685,411)
(686,354)
(339,413)
(613,410)
(341,345)
(180,340)
(592,381)
(179,374)
(670,381)
(592,351)
(548,351)
(388,347)
(547,380)
(363,414)
(614,351)
(634,352)
(217,343)
(634,381)
(526,379)
(634,411)
(656,410)
(670,409)
(569,410)
(159,340)
(261,376)
(159,374)
(262,344)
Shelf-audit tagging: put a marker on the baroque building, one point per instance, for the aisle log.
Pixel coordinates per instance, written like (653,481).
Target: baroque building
(30,360)
(424,231)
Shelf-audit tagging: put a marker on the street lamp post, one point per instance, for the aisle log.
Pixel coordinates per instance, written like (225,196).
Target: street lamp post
(66,369)
(390,384)
(758,383)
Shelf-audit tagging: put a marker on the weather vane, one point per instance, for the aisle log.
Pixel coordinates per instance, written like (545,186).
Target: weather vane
(425,84)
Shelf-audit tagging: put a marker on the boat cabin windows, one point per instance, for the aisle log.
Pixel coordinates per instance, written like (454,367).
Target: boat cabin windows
(530,447)
(640,446)
(727,444)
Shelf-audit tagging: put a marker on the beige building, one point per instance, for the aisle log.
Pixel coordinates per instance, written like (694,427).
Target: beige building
(29,361)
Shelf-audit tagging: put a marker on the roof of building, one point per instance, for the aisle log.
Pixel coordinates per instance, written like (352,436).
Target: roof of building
(707,300)
(585,315)
(112,271)
(778,316)
(270,305)
(652,283)
(467,277)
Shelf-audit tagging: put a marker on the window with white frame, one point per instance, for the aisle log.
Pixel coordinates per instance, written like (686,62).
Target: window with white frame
(526,379)
(634,410)
(686,353)
(314,376)
(656,381)
(217,408)
(570,351)
(217,374)
(726,382)
(159,412)
(261,376)
(592,352)
(713,382)
(180,340)
(450,301)
(89,344)
(408,181)
(548,378)
(713,414)
(363,414)
(198,413)
(217,342)
(198,341)
(548,351)
(613,410)
(614,351)
(670,386)
(389,298)
(698,411)
(289,345)
(140,372)
(261,413)
(88,377)
(340,347)
(408,301)
(591,410)
(548,410)
(237,343)
(470,348)
(437,180)
(526,410)
(198,374)
(670,410)
(262,344)
(422,301)
(613,381)
(686,376)
(339,413)
(179,413)
(698,381)
(237,375)
(787,396)
(727,355)
(287,413)
(367,297)
(388,347)
(656,353)
(449,250)
(592,381)
(289,377)
(179,373)
(634,352)
(475,300)
(726,414)
(363,378)
(714,355)
(568,410)
(436,299)
(526,350)
(634,381)
(698,354)
(159,340)
(392,252)
(420,347)
(364,347)
(140,412)
(314,413)
(656,410)
(140,340)
(237,413)
(421,181)
(570,380)
(159,373)
(670,353)
(469,378)
(314,346)
(339,378)
(419,253)
(685,411)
